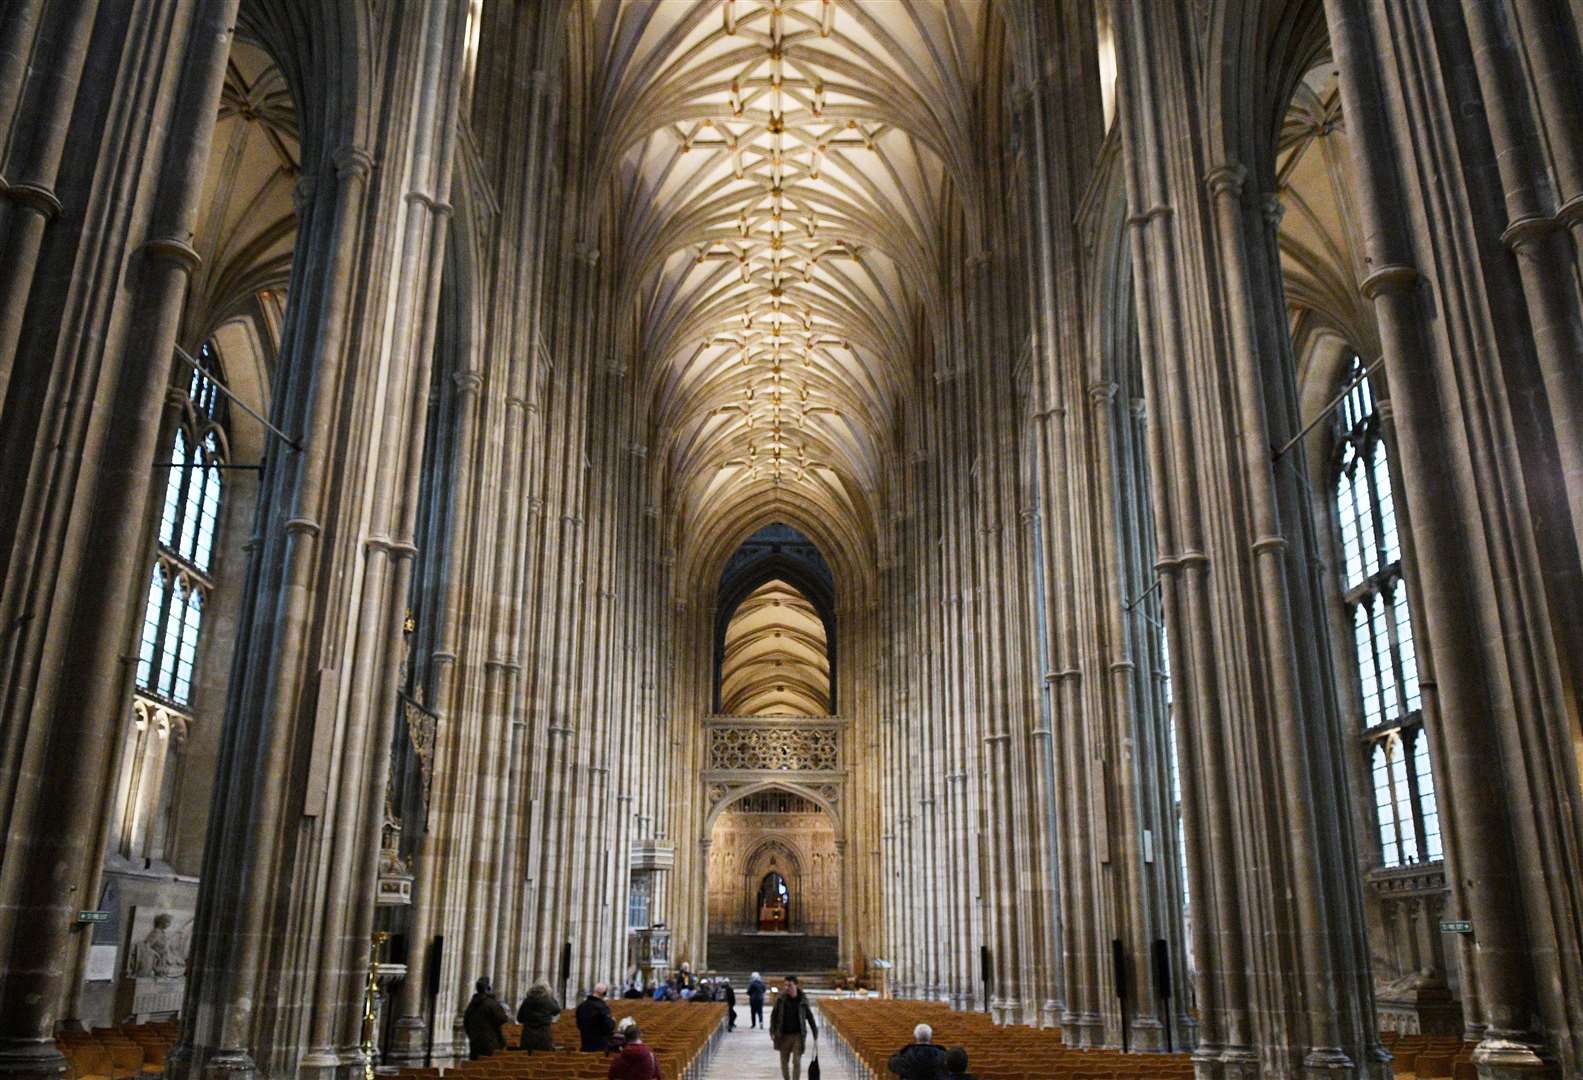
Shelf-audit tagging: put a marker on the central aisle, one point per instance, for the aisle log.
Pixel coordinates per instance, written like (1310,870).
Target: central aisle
(746,1054)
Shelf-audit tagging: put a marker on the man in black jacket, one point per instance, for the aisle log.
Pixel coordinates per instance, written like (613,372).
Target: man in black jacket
(484,1021)
(594,1022)
(756,992)
(923,1060)
(729,996)
(791,1020)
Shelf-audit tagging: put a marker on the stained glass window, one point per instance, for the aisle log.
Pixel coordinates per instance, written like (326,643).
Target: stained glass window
(1390,702)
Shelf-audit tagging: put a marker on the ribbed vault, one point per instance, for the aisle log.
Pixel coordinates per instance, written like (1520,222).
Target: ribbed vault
(776,661)
(247,226)
(781,171)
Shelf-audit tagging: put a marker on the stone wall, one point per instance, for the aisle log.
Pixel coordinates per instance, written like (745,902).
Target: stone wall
(799,845)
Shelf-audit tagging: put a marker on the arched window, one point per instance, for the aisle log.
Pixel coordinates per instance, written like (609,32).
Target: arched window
(185,550)
(1389,697)
(1175,769)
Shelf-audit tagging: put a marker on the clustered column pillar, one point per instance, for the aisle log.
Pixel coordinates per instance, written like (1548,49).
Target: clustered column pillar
(1481,354)
(80,402)
(1281,960)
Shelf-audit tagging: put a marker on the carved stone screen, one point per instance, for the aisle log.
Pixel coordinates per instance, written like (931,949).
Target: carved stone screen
(780,749)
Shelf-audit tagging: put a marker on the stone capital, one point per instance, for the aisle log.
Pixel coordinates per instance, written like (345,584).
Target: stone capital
(353,161)
(35,197)
(302,193)
(434,205)
(1142,218)
(1102,393)
(1394,278)
(1524,234)
(174,250)
(1226,179)
(1274,209)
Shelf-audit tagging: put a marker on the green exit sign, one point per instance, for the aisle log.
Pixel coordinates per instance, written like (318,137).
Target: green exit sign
(1456,926)
(93,916)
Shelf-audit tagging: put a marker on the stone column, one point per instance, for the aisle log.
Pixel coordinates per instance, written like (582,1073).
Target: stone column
(38,82)
(1547,256)
(81,691)
(1495,703)
(1254,706)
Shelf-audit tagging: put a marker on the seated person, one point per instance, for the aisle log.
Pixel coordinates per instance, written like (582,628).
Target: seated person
(635,1061)
(956,1063)
(922,1060)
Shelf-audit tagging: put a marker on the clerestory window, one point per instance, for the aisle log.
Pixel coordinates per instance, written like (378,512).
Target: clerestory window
(1389,697)
(181,582)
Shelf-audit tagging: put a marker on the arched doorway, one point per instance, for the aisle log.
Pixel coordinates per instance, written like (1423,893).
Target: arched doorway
(772,837)
(774,904)
(774,885)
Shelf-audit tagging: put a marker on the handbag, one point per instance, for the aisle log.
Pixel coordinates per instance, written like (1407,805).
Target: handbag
(813,1066)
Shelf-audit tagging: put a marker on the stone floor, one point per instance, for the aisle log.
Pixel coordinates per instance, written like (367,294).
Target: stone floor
(746,1054)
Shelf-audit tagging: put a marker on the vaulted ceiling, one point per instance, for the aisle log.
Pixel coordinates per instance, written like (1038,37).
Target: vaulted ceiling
(781,172)
(776,659)
(247,224)
(1321,236)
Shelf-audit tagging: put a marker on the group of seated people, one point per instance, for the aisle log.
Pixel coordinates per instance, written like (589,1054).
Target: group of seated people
(598,1032)
(921,1059)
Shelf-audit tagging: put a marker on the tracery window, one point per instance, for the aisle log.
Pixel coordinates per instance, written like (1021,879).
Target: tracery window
(639,896)
(181,579)
(1389,696)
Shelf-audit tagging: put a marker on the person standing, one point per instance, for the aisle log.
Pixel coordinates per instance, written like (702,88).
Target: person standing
(729,996)
(594,1022)
(536,1013)
(484,1020)
(756,991)
(791,1021)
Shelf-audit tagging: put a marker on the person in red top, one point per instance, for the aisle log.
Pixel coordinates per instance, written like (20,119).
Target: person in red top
(635,1061)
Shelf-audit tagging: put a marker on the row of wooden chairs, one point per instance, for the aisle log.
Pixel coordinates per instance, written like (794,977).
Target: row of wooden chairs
(1427,1056)
(117,1053)
(876,1029)
(678,1033)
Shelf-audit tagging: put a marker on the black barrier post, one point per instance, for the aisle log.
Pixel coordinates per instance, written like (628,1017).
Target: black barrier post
(566,968)
(1118,965)
(985,969)
(436,954)
(1162,985)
